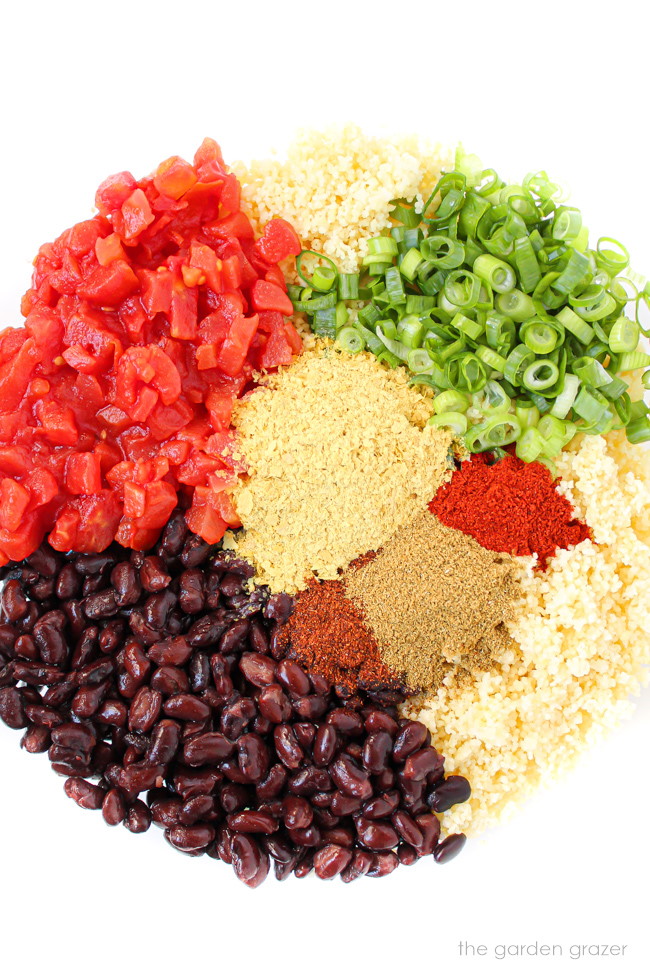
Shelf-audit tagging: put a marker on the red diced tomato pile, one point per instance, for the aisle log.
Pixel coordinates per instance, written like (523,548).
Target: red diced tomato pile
(142,327)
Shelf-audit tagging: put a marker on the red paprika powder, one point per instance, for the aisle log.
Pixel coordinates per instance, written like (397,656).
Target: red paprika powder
(328,635)
(509,506)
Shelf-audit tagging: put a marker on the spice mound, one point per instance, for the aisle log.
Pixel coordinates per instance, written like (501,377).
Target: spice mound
(509,506)
(327,633)
(339,457)
(436,601)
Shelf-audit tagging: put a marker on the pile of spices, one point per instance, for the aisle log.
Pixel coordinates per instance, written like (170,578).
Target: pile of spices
(433,597)
(509,506)
(339,457)
(327,634)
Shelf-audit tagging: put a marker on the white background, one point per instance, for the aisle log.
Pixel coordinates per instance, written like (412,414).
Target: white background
(92,88)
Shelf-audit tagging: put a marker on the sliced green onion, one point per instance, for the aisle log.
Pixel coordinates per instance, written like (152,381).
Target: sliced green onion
(590,372)
(462,289)
(492,398)
(567,223)
(454,421)
(410,331)
(638,430)
(404,211)
(517,362)
(467,326)
(349,287)
(497,430)
(540,374)
(324,323)
(576,325)
(500,331)
(329,265)
(633,360)
(466,372)
(590,404)
(526,263)
(498,274)
(394,286)
(612,259)
(491,358)
(444,252)
(394,347)
(316,304)
(530,445)
(350,339)
(410,263)
(527,413)
(419,360)
(574,272)
(624,335)
(541,335)
(450,400)
(566,396)
(342,314)
(516,305)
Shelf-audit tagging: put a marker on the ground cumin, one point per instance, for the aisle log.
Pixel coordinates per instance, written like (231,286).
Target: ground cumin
(436,601)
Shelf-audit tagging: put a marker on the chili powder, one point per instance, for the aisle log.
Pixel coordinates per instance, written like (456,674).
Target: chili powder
(328,635)
(509,506)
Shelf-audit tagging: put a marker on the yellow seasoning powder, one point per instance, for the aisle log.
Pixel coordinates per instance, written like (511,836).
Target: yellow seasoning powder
(339,457)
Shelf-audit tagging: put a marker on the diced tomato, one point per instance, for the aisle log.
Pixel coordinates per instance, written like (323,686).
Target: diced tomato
(224,507)
(134,216)
(266,296)
(269,320)
(157,290)
(208,161)
(109,249)
(234,350)
(14,500)
(135,499)
(160,501)
(277,351)
(177,451)
(230,194)
(235,224)
(113,192)
(86,524)
(292,336)
(232,273)
(219,405)
(184,318)
(81,238)
(83,473)
(207,356)
(278,241)
(17,545)
(204,520)
(174,177)
(15,375)
(205,259)
(275,276)
(109,285)
(58,423)
(132,316)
